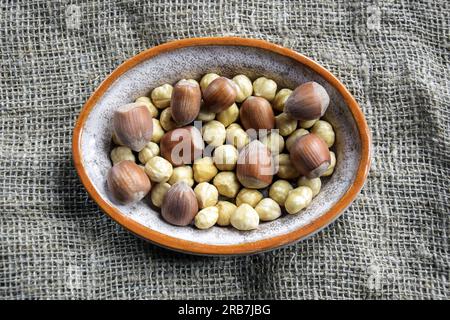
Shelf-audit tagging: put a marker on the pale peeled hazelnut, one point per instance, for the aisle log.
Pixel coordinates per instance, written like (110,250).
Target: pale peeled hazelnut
(158,131)
(274,142)
(184,174)
(185,102)
(227,184)
(255,168)
(268,210)
(324,130)
(214,133)
(158,193)
(279,191)
(179,205)
(206,218)
(229,115)
(219,95)
(204,169)
(294,136)
(122,153)
(256,113)
(205,115)
(330,169)
(280,99)
(298,199)
(166,121)
(226,209)
(127,183)
(265,88)
(148,103)
(306,124)
(237,136)
(133,125)
(150,150)
(307,102)
(182,145)
(207,195)
(285,124)
(286,169)
(158,169)
(245,218)
(161,96)
(244,87)
(225,157)
(207,79)
(314,184)
(310,156)
(249,196)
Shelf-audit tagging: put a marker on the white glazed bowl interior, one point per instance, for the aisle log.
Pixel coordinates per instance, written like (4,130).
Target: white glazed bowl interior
(193,62)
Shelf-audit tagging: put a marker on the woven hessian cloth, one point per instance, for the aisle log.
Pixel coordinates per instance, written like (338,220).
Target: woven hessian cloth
(391,243)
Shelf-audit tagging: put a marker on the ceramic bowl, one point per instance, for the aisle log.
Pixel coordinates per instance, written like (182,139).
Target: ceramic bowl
(191,58)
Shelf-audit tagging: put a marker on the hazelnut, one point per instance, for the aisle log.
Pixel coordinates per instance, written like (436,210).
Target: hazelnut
(158,131)
(244,87)
(245,218)
(268,210)
(310,156)
(324,130)
(204,169)
(226,209)
(314,184)
(306,124)
(330,168)
(294,136)
(274,142)
(280,99)
(286,170)
(214,133)
(207,79)
(150,150)
(158,193)
(279,191)
(219,95)
(185,103)
(158,169)
(207,195)
(285,124)
(249,196)
(225,157)
(206,218)
(182,145)
(229,115)
(183,173)
(205,115)
(166,121)
(256,113)
(307,102)
(122,153)
(298,199)
(148,103)
(127,183)
(116,140)
(179,206)
(236,136)
(227,184)
(161,96)
(265,88)
(254,167)
(133,125)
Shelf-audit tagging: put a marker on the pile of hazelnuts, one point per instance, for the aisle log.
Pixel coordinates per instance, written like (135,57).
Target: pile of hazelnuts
(222,151)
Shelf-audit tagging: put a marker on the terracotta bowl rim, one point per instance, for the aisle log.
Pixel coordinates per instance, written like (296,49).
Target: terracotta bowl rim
(236,249)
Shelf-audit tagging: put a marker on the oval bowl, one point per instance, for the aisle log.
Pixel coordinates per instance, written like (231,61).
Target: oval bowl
(228,56)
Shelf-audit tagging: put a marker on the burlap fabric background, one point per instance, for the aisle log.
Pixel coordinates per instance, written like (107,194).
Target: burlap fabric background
(391,243)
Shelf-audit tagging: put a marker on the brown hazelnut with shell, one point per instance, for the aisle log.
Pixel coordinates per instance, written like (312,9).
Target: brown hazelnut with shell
(182,145)
(256,113)
(179,205)
(310,156)
(185,102)
(133,125)
(255,168)
(219,95)
(308,101)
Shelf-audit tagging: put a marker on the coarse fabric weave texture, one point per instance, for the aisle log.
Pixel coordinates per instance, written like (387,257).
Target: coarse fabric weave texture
(392,243)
